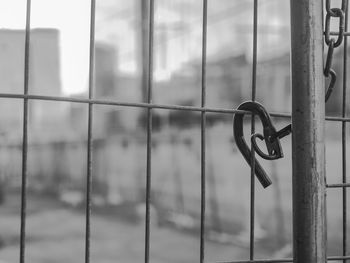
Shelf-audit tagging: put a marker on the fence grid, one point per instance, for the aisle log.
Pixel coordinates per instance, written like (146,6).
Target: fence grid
(149,105)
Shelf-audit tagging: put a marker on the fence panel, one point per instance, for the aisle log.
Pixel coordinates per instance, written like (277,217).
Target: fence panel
(308,119)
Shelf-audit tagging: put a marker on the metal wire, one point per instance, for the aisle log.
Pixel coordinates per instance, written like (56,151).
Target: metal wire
(332,258)
(346,34)
(253,96)
(203,129)
(344,179)
(149,106)
(25,136)
(149,130)
(89,139)
(258,261)
(345,185)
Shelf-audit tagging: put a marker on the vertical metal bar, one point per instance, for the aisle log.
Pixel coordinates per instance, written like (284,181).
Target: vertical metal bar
(203,126)
(308,115)
(252,171)
(25,135)
(344,179)
(144,12)
(213,197)
(89,139)
(149,130)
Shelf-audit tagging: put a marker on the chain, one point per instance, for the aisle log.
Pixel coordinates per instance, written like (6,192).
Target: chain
(271,136)
(333,43)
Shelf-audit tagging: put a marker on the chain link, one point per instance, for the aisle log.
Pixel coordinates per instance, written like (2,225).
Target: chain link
(331,42)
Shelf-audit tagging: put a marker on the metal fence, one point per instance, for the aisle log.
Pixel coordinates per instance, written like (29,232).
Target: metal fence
(315,12)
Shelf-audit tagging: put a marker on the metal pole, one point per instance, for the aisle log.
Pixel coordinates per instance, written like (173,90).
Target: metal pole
(308,115)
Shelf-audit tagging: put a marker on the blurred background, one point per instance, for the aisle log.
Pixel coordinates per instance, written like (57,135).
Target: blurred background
(59,59)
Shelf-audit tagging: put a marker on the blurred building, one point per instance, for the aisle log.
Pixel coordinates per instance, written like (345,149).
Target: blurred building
(178,31)
(110,84)
(228,83)
(177,59)
(44,79)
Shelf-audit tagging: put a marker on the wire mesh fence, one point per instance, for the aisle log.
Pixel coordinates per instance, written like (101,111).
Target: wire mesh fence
(150,107)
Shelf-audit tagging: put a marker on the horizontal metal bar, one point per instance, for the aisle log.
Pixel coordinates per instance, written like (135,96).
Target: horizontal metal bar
(346,34)
(341,119)
(259,261)
(131,104)
(338,185)
(148,105)
(331,258)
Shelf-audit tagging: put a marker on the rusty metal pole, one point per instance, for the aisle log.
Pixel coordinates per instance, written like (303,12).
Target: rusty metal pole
(308,114)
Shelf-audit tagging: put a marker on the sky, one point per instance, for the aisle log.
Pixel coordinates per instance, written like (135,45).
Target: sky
(72,19)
